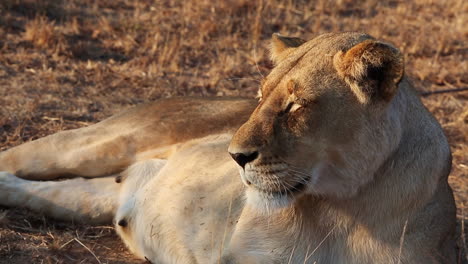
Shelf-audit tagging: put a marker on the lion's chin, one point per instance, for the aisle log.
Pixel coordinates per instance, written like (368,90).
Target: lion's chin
(267,202)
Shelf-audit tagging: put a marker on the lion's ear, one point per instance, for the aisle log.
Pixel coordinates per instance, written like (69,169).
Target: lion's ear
(373,69)
(282,45)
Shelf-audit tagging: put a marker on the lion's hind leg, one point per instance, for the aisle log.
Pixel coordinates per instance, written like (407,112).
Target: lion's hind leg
(84,200)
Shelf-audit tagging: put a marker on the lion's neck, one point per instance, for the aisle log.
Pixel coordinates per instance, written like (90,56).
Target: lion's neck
(403,185)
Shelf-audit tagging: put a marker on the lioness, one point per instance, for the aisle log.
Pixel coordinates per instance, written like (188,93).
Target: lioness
(339,163)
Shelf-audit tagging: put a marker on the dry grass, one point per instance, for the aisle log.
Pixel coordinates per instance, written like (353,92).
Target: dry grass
(67,64)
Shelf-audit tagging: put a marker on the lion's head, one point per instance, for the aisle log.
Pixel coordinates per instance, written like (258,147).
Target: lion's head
(328,118)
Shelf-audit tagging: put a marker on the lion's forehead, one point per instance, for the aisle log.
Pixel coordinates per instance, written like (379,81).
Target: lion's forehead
(312,62)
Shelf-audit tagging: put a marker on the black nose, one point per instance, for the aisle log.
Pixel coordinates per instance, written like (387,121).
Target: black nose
(244,158)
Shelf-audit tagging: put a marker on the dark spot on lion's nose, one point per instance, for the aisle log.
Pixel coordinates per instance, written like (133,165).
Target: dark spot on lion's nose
(122,223)
(244,158)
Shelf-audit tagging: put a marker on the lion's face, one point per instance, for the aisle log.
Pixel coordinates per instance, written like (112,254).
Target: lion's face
(323,125)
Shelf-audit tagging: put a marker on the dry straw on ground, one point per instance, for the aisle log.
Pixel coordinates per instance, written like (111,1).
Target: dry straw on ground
(67,64)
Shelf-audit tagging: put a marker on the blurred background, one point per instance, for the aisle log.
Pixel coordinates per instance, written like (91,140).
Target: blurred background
(68,64)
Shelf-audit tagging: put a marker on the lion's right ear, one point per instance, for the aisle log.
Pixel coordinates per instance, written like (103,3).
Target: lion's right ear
(281,46)
(372,68)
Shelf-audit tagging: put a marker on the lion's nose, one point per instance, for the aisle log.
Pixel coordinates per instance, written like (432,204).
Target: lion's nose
(244,158)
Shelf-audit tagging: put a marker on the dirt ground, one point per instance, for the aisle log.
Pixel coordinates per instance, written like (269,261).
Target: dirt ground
(68,64)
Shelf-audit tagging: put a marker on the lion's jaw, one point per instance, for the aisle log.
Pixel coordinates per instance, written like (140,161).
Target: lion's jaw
(323,127)
(273,185)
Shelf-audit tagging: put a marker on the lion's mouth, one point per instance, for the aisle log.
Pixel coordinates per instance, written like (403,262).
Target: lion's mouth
(270,192)
(291,191)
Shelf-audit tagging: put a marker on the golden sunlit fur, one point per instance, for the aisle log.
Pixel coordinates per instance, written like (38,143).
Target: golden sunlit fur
(339,163)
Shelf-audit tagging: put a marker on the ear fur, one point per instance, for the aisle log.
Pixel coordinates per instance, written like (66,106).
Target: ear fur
(373,69)
(282,45)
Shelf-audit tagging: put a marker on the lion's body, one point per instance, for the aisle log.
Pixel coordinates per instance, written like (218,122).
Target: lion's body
(334,179)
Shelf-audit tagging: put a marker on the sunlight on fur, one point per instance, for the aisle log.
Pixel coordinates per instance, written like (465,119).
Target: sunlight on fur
(339,163)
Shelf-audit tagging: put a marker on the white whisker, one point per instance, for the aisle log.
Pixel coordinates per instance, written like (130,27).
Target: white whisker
(320,244)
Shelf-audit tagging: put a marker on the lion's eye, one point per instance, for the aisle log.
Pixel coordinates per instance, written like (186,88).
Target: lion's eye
(291,107)
(294,107)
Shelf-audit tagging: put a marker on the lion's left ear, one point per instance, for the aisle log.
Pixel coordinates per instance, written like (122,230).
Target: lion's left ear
(372,68)
(281,46)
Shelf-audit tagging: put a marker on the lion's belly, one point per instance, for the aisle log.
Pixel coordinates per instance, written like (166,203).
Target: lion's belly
(187,213)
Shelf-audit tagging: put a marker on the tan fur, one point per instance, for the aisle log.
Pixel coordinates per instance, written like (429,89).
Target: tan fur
(282,45)
(346,159)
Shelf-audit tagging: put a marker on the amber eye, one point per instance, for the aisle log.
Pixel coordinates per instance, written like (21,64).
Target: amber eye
(288,107)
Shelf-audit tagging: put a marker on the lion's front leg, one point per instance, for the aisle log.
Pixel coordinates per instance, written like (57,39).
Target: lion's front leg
(140,133)
(86,200)
(87,152)
(102,149)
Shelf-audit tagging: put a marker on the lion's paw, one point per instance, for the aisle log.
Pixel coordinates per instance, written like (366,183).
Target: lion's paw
(7,180)
(4,175)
